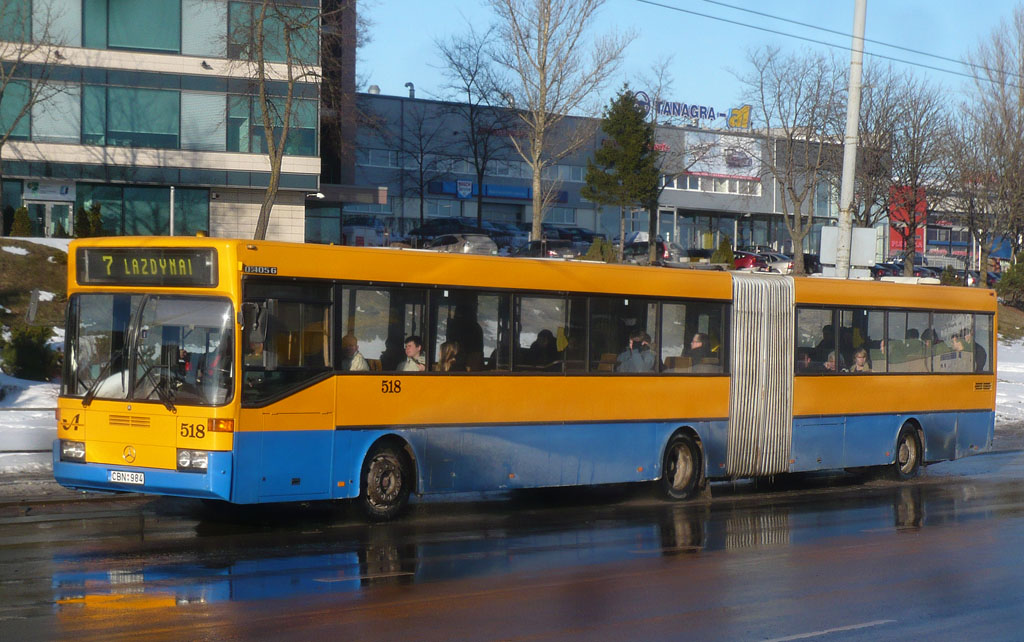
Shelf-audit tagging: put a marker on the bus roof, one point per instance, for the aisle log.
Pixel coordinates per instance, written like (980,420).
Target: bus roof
(423,267)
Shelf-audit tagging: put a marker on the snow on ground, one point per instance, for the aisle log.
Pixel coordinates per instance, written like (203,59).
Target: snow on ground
(24,429)
(15,250)
(57,244)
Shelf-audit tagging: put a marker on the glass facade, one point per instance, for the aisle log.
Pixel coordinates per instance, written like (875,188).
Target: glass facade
(137,210)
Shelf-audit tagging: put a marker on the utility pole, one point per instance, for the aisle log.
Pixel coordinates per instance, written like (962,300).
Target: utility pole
(850,143)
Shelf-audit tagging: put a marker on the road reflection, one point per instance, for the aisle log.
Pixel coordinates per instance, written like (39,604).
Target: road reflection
(294,554)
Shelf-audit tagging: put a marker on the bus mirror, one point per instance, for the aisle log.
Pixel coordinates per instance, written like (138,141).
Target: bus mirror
(254,322)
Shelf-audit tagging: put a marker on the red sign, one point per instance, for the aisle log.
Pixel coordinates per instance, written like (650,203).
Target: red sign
(900,221)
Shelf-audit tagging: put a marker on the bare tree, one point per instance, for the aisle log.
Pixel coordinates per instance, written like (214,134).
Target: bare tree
(997,66)
(798,101)
(476,93)
(879,110)
(279,44)
(553,75)
(917,159)
(972,175)
(30,42)
(424,156)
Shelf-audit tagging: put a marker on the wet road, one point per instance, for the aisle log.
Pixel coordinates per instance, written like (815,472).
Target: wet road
(810,558)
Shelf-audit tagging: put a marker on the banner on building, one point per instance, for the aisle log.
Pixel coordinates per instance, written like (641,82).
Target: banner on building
(712,154)
(49,191)
(901,225)
(463,189)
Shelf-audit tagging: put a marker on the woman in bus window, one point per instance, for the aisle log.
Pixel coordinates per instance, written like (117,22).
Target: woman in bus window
(860,361)
(449,353)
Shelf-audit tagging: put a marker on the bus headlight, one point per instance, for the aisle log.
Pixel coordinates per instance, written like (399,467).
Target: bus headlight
(72,450)
(192,461)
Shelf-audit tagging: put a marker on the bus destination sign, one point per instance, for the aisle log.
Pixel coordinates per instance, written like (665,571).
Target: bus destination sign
(156,266)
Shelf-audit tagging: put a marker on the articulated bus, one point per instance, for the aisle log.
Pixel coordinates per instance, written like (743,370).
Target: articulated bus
(253,371)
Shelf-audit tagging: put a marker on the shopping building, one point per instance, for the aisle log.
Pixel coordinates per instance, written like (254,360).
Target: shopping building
(714,186)
(152,114)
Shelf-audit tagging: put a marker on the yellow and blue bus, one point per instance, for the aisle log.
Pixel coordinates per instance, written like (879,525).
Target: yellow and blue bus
(252,371)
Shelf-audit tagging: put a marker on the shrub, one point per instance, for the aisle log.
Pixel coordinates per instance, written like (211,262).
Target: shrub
(26,355)
(724,252)
(1011,286)
(950,277)
(601,250)
(21,226)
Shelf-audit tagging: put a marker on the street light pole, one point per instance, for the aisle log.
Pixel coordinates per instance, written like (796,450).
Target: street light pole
(850,143)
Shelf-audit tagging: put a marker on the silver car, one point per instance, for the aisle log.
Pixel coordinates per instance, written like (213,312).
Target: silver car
(779,263)
(463,244)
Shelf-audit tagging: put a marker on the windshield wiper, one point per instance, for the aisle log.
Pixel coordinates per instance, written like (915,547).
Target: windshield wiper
(165,395)
(90,394)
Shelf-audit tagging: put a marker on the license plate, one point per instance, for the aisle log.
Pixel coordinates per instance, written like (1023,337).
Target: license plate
(125,477)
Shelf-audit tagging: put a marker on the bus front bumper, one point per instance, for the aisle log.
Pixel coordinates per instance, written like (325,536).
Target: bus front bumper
(215,483)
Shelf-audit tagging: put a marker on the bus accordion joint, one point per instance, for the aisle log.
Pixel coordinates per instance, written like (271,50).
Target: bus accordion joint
(221,425)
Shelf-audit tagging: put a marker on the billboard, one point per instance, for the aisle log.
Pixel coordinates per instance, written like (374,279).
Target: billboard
(713,154)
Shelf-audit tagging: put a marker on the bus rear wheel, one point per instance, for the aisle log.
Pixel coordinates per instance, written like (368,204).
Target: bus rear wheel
(386,483)
(908,453)
(681,470)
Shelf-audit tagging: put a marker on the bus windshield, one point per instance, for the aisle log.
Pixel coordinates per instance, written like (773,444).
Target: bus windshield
(165,349)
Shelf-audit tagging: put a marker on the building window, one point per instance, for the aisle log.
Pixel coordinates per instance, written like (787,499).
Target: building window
(15,97)
(442,208)
(203,127)
(143,117)
(245,131)
(57,116)
(560,215)
(16,20)
(285,29)
(203,25)
(127,24)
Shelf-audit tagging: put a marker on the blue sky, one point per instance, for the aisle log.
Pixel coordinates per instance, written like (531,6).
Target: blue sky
(704,50)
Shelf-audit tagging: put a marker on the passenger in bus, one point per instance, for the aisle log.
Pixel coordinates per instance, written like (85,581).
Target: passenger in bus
(449,356)
(637,357)
(980,356)
(351,359)
(860,361)
(826,345)
(804,363)
(832,363)
(700,348)
(464,329)
(415,360)
(543,351)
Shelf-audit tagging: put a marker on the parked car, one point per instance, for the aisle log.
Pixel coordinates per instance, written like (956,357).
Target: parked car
(991,278)
(362,230)
(505,234)
(548,248)
(420,236)
(778,262)
(749,261)
(639,253)
(463,244)
(878,270)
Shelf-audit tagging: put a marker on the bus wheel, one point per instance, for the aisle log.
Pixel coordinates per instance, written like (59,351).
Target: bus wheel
(386,481)
(908,453)
(681,472)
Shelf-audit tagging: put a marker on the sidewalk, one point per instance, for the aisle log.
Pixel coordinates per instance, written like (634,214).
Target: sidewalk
(40,487)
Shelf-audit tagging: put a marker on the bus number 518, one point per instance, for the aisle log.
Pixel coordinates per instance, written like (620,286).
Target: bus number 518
(390,386)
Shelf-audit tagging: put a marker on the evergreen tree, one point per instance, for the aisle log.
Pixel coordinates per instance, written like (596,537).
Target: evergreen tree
(624,169)
(22,226)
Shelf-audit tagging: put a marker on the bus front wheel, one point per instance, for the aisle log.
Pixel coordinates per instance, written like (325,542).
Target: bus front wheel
(681,472)
(386,481)
(908,453)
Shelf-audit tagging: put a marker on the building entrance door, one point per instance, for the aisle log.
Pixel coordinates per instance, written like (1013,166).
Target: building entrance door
(50,218)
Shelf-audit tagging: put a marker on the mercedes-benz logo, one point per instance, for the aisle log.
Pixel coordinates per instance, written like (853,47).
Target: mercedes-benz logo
(129,454)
